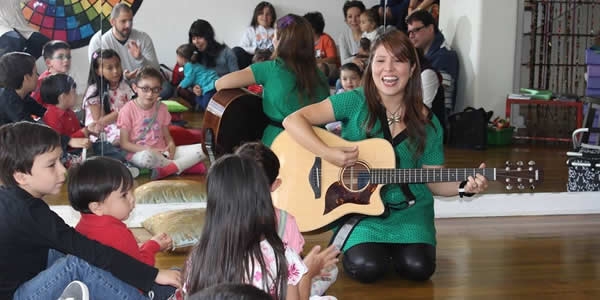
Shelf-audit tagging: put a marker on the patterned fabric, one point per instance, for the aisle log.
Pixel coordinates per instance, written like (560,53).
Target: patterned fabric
(584,173)
(263,279)
(117,98)
(411,225)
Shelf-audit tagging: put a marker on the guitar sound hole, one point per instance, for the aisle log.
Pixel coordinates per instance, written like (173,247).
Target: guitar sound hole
(356,177)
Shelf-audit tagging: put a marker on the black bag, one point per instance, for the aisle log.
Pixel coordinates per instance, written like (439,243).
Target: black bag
(468,129)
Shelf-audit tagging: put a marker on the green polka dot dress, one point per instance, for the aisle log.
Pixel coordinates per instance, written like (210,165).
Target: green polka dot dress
(414,224)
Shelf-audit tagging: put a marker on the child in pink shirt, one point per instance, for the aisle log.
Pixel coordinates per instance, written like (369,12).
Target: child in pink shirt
(287,228)
(144,132)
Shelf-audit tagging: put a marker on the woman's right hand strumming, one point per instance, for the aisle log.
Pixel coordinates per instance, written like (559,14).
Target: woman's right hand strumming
(342,156)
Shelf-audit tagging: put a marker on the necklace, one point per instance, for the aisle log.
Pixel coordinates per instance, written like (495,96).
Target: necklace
(394,117)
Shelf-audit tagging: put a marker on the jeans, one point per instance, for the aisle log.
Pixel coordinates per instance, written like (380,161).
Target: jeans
(61,270)
(202,101)
(108,150)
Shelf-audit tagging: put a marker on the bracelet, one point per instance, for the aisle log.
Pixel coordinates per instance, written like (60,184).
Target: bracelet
(461,190)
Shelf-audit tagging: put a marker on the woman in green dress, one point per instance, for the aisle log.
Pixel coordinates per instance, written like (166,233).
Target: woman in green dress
(290,81)
(389,105)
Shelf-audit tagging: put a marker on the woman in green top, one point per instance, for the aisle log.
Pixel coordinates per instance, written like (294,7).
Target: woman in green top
(290,81)
(405,236)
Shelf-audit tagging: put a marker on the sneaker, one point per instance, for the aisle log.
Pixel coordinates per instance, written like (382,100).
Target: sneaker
(135,172)
(76,290)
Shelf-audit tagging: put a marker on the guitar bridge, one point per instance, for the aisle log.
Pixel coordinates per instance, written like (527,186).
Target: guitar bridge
(314,177)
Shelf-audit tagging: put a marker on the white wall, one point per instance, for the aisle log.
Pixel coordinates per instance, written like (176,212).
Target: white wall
(484,34)
(168,22)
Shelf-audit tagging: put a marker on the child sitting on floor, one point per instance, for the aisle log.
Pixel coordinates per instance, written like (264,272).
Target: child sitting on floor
(58,92)
(196,75)
(287,228)
(57,56)
(101,189)
(41,254)
(144,124)
(239,242)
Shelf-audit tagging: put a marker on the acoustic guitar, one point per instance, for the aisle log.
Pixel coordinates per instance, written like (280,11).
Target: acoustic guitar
(318,193)
(232,117)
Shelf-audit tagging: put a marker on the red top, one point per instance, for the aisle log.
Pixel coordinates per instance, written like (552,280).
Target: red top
(177,75)
(112,232)
(36,93)
(64,122)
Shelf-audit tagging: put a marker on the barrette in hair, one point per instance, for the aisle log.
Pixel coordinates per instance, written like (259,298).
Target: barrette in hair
(285,22)
(95,55)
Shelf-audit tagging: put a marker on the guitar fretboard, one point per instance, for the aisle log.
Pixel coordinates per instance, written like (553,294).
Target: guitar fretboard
(386,176)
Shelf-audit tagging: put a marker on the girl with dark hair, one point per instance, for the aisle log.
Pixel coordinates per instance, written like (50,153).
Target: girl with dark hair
(389,105)
(211,54)
(259,35)
(291,81)
(239,242)
(106,94)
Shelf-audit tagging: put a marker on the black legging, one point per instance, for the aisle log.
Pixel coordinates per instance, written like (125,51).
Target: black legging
(369,262)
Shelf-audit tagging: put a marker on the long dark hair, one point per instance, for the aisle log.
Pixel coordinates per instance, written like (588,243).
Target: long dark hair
(208,57)
(239,215)
(297,49)
(98,80)
(398,44)
(259,9)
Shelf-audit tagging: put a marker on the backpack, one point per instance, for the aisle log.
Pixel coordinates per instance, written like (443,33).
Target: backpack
(468,129)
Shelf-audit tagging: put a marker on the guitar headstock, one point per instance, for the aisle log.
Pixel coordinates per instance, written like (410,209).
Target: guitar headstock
(520,175)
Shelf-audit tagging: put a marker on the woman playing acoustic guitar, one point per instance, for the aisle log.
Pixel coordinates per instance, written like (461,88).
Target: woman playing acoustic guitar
(390,105)
(290,81)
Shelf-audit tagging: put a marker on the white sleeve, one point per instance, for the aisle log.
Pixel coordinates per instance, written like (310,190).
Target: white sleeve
(430,83)
(148,52)
(248,41)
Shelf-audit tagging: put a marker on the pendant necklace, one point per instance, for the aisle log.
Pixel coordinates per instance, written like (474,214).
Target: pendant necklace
(394,117)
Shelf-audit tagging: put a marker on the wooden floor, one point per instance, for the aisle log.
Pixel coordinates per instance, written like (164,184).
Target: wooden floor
(554,257)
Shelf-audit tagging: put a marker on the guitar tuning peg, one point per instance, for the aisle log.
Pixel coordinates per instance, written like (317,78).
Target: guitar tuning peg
(509,187)
(530,169)
(531,180)
(531,163)
(507,163)
(507,180)
(532,187)
(521,187)
(520,163)
(519,179)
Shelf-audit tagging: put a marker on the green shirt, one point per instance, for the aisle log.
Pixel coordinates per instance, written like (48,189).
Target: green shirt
(416,223)
(280,95)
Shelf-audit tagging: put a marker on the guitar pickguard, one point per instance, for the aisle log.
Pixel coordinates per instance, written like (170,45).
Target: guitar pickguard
(337,195)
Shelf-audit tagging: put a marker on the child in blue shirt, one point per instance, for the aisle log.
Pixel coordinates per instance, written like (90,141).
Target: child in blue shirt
(196,75)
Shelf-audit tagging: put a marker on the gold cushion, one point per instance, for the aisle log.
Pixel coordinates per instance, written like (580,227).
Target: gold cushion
(170,191)
(184,226)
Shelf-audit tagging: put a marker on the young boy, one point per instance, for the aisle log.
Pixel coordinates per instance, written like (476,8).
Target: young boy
(287,227)
(34,239)
(57,56)
(101,189)
(18,77)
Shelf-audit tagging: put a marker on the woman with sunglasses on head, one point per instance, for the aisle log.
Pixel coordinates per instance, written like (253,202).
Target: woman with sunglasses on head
(389,105)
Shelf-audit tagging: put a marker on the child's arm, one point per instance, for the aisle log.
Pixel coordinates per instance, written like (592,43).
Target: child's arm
(99,116)
(169,140)
(188,76)
(316,260)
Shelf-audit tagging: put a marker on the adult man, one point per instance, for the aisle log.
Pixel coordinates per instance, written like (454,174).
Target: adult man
(426,36)
(133,46)
(15,33)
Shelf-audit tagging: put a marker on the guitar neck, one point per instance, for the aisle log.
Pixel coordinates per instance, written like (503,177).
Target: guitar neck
(386,176)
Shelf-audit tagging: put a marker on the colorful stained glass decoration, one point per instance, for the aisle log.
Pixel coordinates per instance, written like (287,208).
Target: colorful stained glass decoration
(74,21)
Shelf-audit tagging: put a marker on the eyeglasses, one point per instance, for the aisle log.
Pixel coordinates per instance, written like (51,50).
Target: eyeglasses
(62,57)
(147,89)
(415,30)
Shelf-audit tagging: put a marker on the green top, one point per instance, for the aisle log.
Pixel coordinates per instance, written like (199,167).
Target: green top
(280,96)
(414,224)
